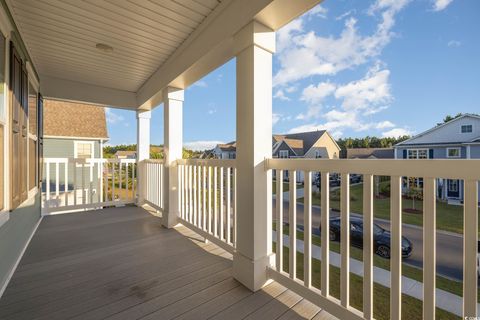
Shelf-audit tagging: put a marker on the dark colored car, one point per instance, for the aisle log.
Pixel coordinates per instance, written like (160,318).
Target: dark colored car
(381,237)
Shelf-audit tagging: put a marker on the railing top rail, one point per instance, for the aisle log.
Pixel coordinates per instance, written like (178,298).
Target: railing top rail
(91,160)
(466,169)
(225,163)
(153,161)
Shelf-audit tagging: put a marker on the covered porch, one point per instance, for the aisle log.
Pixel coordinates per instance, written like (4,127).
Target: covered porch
(120,263)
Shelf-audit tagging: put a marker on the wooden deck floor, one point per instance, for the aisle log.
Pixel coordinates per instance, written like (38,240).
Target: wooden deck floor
(120,263)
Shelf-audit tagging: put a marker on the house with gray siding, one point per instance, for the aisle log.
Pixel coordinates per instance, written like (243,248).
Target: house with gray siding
(456,139)
(73,130)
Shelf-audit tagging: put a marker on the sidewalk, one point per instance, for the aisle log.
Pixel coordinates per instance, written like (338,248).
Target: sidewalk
(444,300)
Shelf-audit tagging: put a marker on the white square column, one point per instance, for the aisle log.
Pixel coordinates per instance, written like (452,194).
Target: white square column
(173,143)
(254,45)
(143,148)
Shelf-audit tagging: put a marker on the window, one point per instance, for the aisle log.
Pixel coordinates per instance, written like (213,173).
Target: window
(283,154)
(453,185)
(417,153)
(453,152)
(83,149)
(467,128)
(318,154)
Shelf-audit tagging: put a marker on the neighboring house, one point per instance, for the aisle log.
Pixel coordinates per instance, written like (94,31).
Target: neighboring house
(73,130)
(370,153)
(125,154)
(310,145)
(456,139)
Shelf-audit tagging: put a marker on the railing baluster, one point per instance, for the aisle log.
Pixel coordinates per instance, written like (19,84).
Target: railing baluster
(47,180)
(199,195)
(279,211)
(215,202)
(325,220)
(368,246)
(228,205)
(113,181)
(91,183)
(222,211)
(234,221)
(292,221)
(429,247)
(74,165)
(470,243)
(209,229)
(65,188)
(345,240)
(194,190)
(307,230)
(135,167)
(57,179)
(396,248)
(83,182)
(204,198)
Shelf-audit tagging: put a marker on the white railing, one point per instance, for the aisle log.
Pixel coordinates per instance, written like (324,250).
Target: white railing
(152,173)
(207,199)
(429,170)
(79,184)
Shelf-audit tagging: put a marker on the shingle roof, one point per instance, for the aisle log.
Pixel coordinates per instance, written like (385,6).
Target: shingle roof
(230,146)
(300,142)
(365,153)
(68,119)
(126,153)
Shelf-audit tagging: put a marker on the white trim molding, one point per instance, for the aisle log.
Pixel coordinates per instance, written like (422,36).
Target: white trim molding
(75,150)
(454,148)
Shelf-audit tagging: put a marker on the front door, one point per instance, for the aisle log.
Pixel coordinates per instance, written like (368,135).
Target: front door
(453,189)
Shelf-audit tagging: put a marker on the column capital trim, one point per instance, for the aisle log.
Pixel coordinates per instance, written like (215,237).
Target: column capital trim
(172,93)
(144,114)
(254,34)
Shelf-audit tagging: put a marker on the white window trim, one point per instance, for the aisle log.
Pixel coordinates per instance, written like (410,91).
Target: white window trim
(281,154)
(75,151)
(422,149)
(455,148)
(464,125)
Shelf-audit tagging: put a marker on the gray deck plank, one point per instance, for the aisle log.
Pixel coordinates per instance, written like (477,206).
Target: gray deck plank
(120,263)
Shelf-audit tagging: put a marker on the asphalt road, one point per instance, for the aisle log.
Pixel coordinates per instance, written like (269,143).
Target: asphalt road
(449,246)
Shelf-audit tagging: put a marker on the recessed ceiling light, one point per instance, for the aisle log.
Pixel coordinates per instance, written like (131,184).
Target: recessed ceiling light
(104,47)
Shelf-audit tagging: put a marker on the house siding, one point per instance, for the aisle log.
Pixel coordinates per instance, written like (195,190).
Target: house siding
(15,233)
(438,152)
(64,148)
(475,152)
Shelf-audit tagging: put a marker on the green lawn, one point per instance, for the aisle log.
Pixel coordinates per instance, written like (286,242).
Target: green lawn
(408,271)
(449,217)
(411,307)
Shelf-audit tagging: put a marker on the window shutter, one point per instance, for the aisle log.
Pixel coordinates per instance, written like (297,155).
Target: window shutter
(405,154)
(430,153)
(40,138)
(15,99)
(24,136)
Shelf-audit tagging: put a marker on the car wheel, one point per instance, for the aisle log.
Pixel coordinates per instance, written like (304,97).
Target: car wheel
(332,235)
(383,251)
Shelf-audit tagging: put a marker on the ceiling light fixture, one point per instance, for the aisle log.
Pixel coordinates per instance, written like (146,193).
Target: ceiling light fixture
(104,47)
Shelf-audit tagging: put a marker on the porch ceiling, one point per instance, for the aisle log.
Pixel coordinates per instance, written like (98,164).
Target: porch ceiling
(156,43)
(61,36)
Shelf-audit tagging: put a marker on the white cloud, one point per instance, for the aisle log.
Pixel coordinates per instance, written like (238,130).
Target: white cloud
(212,111)
(439,5)
(373,90)
(312,112)
(304,54)
(201,84)
(318,11)
(316,94)
(397,132)
(112,117)
(454,43)
(281,95)
(276,117)
(201,145)
(346,14)
(384,125)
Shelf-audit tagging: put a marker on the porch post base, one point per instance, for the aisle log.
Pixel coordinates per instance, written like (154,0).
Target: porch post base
(251,273)
(169,219)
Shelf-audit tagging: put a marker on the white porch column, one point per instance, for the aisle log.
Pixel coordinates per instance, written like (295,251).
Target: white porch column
(173,142)
(143,148)
(255,45)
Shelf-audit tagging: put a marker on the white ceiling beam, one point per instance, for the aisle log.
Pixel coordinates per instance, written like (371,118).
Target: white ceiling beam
(211,45)
(61,89)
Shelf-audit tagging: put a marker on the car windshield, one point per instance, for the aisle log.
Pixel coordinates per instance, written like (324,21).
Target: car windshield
(377,229)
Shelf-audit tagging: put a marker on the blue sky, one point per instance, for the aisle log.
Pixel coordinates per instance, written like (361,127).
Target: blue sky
(353,67)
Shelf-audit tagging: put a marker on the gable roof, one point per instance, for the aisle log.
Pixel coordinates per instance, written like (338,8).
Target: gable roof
(125,153)
(230,146)
(68,119)
(365,153)
(410,141)
(302,142)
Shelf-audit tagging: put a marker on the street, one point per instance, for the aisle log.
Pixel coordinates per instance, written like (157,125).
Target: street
(449,246)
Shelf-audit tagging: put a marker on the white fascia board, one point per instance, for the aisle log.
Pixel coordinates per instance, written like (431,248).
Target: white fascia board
(68,90)
(212,44)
